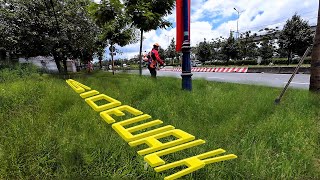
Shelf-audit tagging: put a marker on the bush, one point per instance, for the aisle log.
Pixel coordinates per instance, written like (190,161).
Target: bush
(294,61)
(18,71)
(246,62)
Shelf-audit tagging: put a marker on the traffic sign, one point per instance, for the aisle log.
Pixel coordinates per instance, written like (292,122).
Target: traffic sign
(112,54)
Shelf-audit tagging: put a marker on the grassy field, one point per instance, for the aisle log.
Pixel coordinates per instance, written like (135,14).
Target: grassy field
(48,132)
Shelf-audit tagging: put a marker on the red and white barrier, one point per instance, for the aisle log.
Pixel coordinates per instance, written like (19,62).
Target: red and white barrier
(217,69)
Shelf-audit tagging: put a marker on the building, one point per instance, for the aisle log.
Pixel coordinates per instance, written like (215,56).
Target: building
(48,64)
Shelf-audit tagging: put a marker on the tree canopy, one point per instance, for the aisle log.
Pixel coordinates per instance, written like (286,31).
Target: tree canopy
(171,50)
(296,36)
(204,51)
(61,28)
(148,15)
(116,27)
(230,48)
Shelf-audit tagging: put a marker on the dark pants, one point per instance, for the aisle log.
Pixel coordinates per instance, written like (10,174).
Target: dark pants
(153,72)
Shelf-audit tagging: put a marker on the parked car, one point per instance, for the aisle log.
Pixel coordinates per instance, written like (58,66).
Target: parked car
(295,57)
(196,63)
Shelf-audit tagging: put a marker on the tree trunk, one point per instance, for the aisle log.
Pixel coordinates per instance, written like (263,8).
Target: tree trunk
(227,63)
(140,57)
(100,62)
(65,68)
(57,61)
(315,60)
(112,61)
(289,57)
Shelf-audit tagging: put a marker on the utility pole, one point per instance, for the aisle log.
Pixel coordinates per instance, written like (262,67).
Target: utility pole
(239,12)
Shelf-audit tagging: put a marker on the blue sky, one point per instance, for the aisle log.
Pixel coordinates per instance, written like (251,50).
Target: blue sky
(211,19)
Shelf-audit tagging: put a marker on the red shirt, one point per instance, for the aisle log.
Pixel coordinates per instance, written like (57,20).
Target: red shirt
(155,58)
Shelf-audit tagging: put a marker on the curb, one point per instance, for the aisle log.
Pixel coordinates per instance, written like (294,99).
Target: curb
(218,69)
(272,70)
(278,70)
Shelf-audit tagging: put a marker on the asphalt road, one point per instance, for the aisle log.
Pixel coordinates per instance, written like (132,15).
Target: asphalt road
(300,81)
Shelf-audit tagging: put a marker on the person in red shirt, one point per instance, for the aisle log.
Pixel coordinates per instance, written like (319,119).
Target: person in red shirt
(153,59)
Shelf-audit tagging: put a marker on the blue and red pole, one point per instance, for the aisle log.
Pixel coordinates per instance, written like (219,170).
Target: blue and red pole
(186,64)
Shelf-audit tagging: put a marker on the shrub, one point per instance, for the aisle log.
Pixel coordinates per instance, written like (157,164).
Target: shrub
(18,71)
(294,61)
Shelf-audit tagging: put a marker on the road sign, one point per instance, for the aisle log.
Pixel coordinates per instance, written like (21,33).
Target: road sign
(112,54)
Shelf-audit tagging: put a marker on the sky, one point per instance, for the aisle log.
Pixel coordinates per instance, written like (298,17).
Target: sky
(211,19)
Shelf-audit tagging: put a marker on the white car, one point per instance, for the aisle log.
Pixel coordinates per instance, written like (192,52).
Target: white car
(198,64)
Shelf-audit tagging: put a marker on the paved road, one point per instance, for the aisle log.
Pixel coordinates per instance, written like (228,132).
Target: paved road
(300,81)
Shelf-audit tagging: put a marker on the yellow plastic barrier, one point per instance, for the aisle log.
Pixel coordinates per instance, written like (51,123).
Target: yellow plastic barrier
(194,163)
(118,111)
(151,137)
(89,94)
(154,159)
(127,135)
(155,145)
(113,102)
(76,86)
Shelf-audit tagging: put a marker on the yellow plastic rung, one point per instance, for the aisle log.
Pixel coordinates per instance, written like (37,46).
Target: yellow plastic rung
(118,111)
(211,153)
(154,159)
(112,102)
(194,163)
(155,145)
(89,94)
(76,86)
(220,158)
(127,135)
(144,125)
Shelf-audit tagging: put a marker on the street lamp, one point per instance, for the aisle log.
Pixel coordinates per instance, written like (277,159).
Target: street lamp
(237,22)
(186,63)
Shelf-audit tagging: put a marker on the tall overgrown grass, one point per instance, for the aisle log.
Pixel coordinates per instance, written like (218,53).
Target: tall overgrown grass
(48,132)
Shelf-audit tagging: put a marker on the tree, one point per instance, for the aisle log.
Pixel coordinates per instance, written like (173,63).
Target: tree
(162,53)
(217,48)
(204,51)
(230,49)
(47,27)
(296,36)
(267,47)
(148,15)
(100,50)
(315,60)
(266,50)
(115,25)
(247,46)
(194,51)
(213,50)
(171,51)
